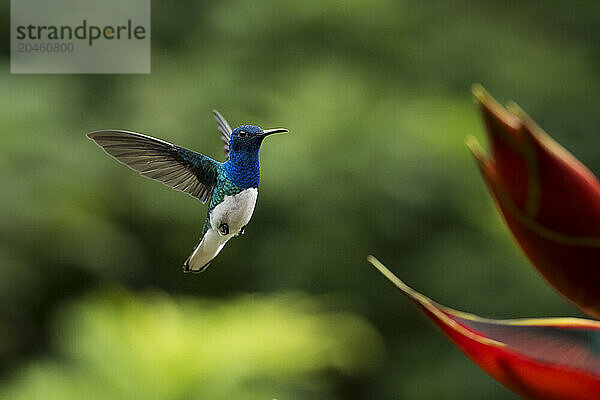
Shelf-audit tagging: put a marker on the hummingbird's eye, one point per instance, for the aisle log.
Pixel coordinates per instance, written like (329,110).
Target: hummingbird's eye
(242,133)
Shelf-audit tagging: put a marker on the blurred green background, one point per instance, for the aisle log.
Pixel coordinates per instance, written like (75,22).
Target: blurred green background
(93,303)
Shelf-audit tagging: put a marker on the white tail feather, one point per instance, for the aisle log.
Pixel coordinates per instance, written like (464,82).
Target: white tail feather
(206,251)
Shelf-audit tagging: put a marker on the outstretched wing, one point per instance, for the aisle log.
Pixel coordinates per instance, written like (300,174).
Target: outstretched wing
(225,130)
(176,167)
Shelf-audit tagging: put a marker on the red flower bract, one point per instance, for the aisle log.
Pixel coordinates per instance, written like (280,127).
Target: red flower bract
(539,359)
(549,200)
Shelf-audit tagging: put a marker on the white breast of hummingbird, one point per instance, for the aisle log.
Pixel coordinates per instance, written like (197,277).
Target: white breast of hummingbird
(235,211)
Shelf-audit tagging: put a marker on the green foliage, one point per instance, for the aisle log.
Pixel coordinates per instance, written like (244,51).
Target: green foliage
(117,345)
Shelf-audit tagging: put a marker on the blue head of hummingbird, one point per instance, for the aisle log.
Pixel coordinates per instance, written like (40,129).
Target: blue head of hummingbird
(242,165)
(230,187)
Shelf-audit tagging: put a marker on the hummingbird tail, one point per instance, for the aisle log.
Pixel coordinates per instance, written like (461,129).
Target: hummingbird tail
(208,248)
(187,266)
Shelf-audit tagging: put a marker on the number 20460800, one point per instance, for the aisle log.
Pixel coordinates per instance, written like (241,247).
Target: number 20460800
(45,47)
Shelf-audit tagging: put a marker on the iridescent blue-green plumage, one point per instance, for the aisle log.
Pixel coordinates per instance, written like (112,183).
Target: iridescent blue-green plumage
(235,180)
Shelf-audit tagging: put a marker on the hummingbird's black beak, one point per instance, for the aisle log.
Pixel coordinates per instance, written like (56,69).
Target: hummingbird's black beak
(268,132)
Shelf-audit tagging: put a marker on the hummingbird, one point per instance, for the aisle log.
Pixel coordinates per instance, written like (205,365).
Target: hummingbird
(230,187)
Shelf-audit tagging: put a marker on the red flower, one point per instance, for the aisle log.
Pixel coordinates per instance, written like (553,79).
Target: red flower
(539,359)
(551,204)
(549,200)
